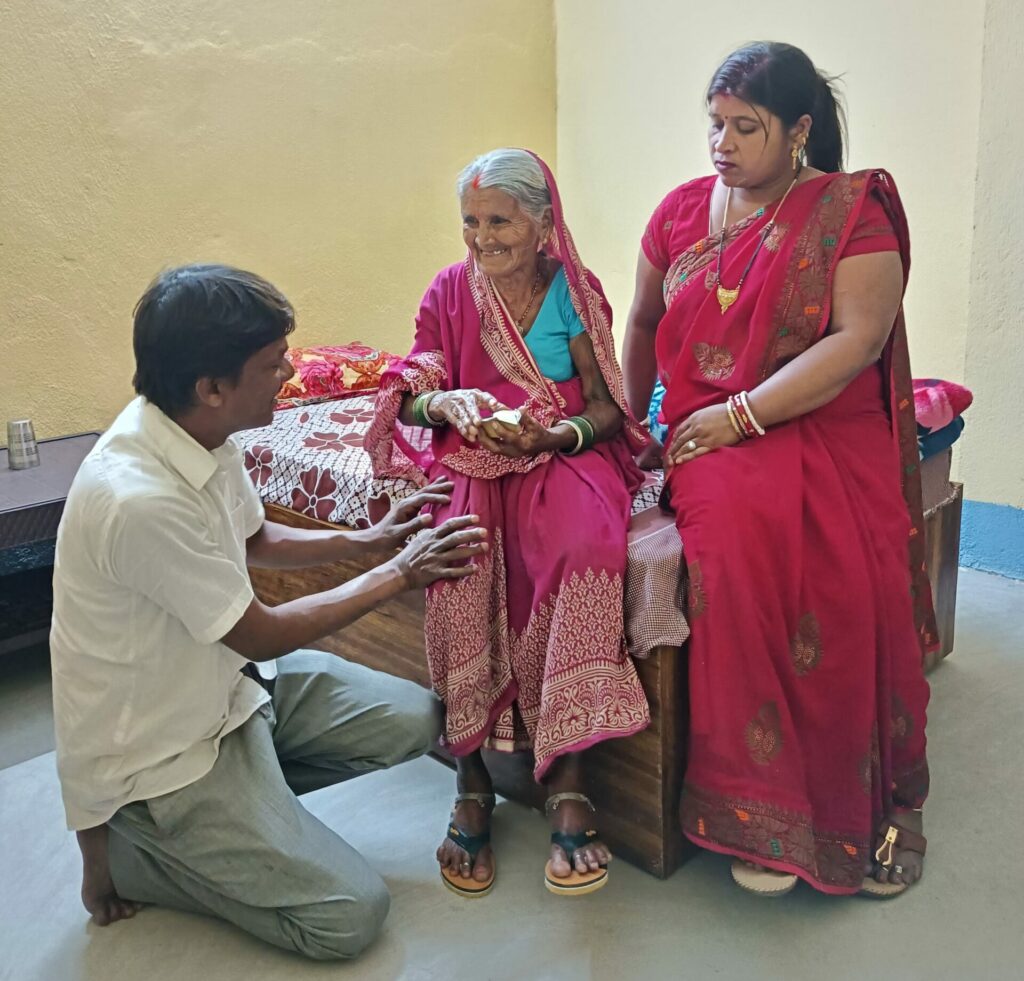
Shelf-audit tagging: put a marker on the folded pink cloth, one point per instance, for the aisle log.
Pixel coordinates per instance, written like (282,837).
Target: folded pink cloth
(937,403)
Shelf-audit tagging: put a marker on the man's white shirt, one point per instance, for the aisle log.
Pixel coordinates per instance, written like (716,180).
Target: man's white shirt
(150,574)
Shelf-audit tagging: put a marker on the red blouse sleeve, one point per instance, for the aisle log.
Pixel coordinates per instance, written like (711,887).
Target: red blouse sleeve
(656,242)
(873,232)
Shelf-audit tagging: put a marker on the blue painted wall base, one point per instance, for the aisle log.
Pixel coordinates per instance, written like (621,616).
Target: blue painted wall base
(992,538)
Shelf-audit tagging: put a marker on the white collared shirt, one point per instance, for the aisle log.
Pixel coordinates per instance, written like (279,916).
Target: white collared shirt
(150,574)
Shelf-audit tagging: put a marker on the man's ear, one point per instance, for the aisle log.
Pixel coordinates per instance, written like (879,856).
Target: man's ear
(209,392)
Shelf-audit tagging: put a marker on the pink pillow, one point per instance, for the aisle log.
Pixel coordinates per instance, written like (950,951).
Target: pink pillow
(937,403)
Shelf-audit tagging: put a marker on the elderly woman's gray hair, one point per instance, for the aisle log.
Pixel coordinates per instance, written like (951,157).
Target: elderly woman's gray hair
(513,171)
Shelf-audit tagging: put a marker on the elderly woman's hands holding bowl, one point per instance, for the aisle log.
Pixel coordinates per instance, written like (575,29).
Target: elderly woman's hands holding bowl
(461,408)
(524,437)
(480,418)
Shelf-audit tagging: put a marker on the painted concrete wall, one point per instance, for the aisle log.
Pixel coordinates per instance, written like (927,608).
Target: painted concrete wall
(632,125)
(993,457)
(316,143)
(933,94)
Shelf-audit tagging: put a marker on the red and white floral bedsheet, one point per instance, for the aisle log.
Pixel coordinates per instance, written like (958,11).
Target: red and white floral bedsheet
(311,459)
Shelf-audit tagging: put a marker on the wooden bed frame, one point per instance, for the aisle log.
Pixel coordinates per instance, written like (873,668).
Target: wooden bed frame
(635,783)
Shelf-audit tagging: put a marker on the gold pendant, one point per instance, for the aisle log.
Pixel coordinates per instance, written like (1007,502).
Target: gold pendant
(726,298)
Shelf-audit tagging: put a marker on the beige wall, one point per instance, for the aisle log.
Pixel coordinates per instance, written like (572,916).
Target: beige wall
(992,459)
(631,125)
(316,143)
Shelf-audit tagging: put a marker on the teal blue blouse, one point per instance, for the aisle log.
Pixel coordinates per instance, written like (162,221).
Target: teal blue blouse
(557,323)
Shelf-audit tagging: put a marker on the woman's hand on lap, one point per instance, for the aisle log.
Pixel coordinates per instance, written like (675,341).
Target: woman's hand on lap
(709,429)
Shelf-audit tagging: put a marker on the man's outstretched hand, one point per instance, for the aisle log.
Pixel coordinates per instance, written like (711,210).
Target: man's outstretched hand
(404,519)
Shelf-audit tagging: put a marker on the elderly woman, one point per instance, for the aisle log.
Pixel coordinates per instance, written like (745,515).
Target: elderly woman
(529,652)
(769,303)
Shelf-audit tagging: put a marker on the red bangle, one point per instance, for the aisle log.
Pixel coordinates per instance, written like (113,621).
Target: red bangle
(733,420)
(744,418)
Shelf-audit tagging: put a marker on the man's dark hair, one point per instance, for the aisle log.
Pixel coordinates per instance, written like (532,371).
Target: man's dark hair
(202,321)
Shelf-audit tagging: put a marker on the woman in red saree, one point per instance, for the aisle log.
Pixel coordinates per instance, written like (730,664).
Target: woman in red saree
(798,501)
(529,652)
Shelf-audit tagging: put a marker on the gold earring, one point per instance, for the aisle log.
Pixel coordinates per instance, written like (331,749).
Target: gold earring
(798,152)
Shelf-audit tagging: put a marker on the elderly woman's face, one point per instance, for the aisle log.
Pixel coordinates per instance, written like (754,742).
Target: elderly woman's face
(503,238)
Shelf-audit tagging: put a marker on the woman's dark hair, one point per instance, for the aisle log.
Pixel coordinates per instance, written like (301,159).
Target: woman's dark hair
(202,321)
(783,79)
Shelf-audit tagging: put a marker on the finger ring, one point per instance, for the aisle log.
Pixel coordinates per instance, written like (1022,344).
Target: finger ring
(691,446)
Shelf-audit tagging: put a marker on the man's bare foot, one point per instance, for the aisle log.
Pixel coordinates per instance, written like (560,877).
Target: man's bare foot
(473,818)
(99,896)
(908,865)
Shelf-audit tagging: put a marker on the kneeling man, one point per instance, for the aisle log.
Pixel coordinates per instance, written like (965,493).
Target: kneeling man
(179,765)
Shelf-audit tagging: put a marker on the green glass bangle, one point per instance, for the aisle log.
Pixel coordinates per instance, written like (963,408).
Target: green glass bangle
(587,429)
(419,411)
(578,430)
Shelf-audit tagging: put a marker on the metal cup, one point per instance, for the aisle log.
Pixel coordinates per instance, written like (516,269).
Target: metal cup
(22,451)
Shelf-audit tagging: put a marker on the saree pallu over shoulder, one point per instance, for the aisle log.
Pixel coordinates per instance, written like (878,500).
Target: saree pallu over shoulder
(462,324)
(788,304)
(457,329)
(804,303)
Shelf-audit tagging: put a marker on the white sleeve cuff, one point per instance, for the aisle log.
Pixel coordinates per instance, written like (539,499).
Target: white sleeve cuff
(223,624)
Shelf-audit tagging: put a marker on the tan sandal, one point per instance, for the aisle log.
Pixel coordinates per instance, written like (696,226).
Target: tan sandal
(469,888)
(891,836)
(766,883)
(576,883)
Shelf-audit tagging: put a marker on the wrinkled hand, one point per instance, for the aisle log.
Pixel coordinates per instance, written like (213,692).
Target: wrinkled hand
(708,428)
(531,439)
(404,519)
(461,409)
(443,552)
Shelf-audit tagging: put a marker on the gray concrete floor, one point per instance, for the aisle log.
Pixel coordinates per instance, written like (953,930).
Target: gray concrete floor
(26,709)
(964,921)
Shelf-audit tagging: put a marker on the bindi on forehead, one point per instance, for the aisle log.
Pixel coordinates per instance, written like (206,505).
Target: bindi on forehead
(490,200)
